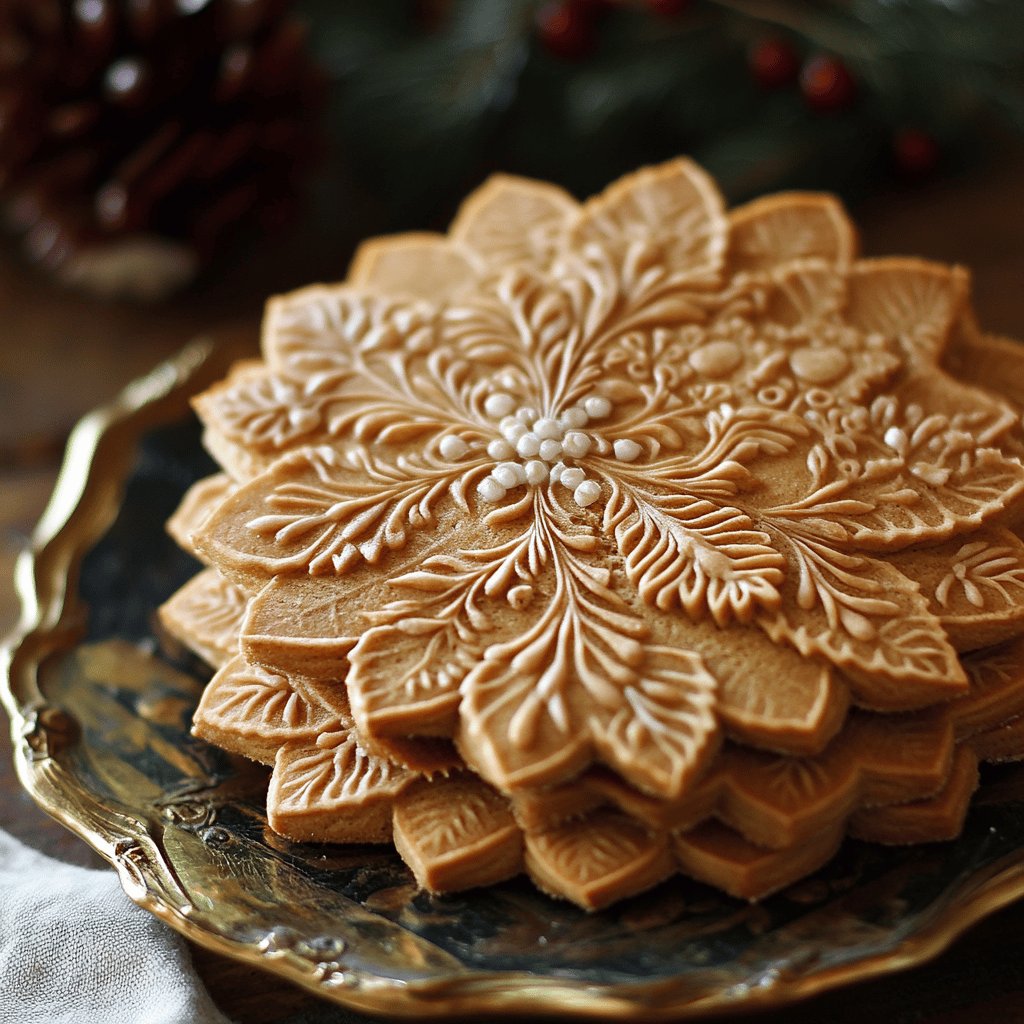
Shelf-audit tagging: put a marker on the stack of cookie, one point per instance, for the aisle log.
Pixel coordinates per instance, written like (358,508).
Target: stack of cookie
(612,540)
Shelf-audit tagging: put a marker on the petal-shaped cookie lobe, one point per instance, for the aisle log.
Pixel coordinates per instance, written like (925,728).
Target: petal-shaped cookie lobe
(251,711)
(457,833)
(665,733)
(989,361)
(722,858)
(675,204)
(199,501)
(597,861)
(514,220)
(778,229)
(332,790)
(871,622)
(997,689)
(913,300)
(206,615)
(297,627)
(974,584)
(418,265)
(405,678)
(578,677)
(924,821)
(318,513)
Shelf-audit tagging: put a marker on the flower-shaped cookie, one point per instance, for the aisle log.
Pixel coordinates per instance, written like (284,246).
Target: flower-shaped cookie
(580,483)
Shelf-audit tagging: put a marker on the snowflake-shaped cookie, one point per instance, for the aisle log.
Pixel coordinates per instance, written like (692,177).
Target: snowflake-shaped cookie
(580,483)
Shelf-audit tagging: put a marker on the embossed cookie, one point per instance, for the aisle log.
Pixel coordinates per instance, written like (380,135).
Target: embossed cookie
(637,487)
(199,501)
(456,832)
(206,615)
(775,801)
(325,786)
(588,490)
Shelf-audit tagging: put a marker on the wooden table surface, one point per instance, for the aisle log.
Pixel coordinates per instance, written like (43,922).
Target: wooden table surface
(62,354)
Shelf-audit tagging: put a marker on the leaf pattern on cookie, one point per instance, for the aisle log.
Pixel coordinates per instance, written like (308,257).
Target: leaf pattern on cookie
(245,699)
(331,773)
(598,860)
(206,614)
(886,476)
(868,619)
(984,574)
(449,816)
(563,490)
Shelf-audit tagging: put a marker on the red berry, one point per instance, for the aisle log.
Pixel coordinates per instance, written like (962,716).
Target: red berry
(827,84)
(915,151)
(773,62)
(667,8)
(566,29)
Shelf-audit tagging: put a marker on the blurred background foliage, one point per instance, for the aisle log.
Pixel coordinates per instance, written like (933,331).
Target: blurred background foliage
(764,93)
(136,136)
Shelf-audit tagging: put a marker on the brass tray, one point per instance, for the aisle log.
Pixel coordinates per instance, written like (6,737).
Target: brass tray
(100,714)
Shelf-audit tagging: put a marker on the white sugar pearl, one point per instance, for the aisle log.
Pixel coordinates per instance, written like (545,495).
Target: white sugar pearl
(499,404)
(514,431)
(895,438)
(452,447)
(546,427)
(536,472)
(572,477)
(528,445)
(626,450)
(587,493)
(556,472)
(550,449)
(597,406)
(527,414)
(509,474)
(490,490)
(574,417)
(499,449)
(576,444)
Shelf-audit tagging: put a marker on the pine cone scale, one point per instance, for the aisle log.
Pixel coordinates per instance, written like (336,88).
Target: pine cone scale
(149,118)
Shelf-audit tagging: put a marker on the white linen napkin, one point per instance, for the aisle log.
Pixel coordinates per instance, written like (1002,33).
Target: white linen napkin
(74,949)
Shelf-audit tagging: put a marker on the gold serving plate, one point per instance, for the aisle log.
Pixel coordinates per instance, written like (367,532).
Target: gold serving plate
(101,717)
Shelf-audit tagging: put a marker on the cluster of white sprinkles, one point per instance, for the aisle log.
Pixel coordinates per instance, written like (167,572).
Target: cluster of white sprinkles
(533,449)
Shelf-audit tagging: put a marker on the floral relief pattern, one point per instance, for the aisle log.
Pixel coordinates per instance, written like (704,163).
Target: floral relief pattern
(320,768)
(207,615)
(983,572)
(551,493)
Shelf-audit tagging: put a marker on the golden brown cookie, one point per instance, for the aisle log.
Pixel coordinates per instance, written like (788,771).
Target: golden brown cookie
(974,585)
(720,857)
(206,616)
(997,689)
(456,833)
(598,860)
(777,801)
(325,786)
(938,818)
(611,499)
(199,501)
(588,490)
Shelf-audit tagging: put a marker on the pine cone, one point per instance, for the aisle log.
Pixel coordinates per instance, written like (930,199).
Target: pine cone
(134,133)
